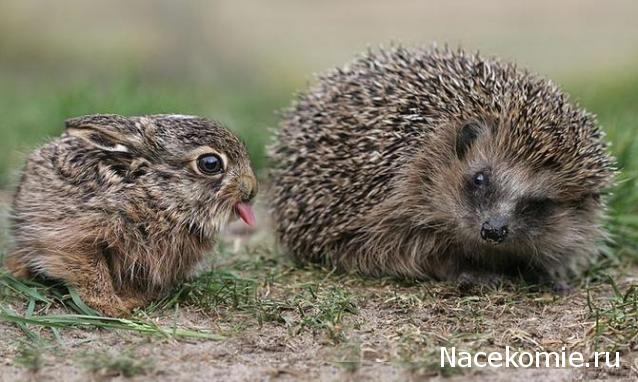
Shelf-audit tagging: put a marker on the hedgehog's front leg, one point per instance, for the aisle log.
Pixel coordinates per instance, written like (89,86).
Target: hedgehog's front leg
(469,281)
(557,282)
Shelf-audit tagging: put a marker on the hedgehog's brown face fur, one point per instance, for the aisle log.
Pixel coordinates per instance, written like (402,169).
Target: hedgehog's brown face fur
(493,204)
(497,205)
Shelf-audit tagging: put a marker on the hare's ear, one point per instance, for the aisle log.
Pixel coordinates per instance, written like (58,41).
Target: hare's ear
(106,132)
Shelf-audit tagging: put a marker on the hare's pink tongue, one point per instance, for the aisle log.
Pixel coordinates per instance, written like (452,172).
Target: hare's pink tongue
(245,212)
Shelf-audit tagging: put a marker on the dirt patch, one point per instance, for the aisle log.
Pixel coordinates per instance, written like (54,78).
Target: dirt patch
(394,335)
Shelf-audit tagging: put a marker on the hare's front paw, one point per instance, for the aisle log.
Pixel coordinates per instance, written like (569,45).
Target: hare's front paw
(18,268)
(130,303)
(110,307)
(110,304)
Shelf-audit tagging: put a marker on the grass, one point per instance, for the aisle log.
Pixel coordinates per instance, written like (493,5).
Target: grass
(39,299)
(315,304)
(616,319)
(311,305)
(614,103)
(106,366)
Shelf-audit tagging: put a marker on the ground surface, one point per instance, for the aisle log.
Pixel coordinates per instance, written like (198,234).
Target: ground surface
(283,323)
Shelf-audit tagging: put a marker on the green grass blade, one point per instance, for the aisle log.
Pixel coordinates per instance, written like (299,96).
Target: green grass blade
(76,320)
(80,306)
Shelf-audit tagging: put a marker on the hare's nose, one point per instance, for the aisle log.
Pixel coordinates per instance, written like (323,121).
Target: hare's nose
(248,187)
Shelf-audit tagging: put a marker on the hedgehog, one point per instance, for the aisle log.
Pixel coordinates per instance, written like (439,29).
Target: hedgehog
(433,163)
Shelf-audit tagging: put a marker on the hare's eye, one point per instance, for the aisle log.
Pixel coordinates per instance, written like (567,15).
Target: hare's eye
(210,164)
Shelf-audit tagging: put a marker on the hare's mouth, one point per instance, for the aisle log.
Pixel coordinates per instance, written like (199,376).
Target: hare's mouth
(245,212)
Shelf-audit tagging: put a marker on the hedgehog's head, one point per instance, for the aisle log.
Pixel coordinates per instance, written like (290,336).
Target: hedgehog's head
(501,185)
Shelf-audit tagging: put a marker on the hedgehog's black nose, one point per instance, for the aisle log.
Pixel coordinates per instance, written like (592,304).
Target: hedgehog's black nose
(494,230)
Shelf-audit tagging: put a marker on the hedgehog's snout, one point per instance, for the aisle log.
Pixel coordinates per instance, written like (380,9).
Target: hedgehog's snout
(495,229)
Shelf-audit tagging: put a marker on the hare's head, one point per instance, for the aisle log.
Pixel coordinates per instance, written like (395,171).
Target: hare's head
(190,167)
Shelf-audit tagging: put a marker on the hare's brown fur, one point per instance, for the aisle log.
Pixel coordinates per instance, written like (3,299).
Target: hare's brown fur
(116,209)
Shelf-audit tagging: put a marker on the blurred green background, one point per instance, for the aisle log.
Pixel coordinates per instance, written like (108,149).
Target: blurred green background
(241,61)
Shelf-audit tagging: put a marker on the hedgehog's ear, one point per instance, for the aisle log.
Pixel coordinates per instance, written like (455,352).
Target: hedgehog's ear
(466,137)
(106,132)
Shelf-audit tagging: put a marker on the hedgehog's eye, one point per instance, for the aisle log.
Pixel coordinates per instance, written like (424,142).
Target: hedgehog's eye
(535,206)
(210,164)
(480,179)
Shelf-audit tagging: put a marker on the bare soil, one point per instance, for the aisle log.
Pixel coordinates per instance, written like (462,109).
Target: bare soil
(375,348)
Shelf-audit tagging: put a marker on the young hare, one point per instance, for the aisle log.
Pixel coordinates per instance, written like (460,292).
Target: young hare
(122,208)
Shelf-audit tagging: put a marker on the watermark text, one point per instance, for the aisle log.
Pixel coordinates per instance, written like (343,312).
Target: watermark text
(451,357)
